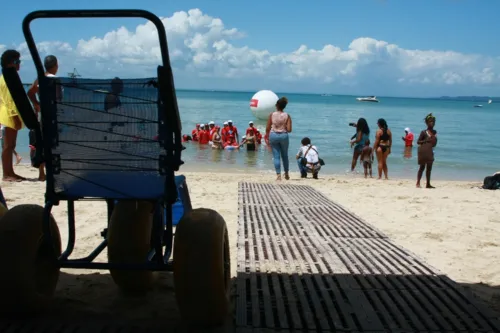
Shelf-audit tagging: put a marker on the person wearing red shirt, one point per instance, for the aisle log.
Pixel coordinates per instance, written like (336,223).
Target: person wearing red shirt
(211,126)
(194,133)
(203,135)
(232,131)
(250,136)
(251,131)
(408,138)
(223,132)
(258,136)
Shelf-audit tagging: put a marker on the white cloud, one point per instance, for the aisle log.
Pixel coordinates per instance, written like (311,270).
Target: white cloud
(202,46)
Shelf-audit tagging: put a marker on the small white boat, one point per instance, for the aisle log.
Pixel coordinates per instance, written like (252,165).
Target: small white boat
(102,91)
(490,101)
(478,106)
(368,99)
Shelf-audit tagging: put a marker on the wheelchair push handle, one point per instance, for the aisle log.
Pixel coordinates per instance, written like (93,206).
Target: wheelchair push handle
(97,13)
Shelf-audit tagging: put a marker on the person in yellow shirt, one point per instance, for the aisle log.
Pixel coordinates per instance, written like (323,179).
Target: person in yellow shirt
(9,117)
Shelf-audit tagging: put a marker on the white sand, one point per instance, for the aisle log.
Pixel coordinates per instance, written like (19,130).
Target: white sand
(454,227)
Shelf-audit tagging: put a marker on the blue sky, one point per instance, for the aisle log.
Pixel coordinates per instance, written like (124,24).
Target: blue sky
(382,60)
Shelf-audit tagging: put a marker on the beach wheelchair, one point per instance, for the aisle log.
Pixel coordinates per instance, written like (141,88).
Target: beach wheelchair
(126,155)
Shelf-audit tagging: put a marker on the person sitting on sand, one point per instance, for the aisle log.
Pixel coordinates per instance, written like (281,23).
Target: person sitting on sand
(426,143)
(308,159)
(382,147)
(367,158)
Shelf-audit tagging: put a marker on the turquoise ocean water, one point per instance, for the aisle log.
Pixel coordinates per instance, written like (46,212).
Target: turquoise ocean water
(465,151)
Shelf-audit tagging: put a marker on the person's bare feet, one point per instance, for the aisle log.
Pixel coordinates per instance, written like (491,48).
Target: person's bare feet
(429,186)
(18,159)
(278,177)
(418,185)
(287,177)
(14,178)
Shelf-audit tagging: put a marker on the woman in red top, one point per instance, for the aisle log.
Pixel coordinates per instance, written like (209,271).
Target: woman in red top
(194,133)
(408,139)
(203,135)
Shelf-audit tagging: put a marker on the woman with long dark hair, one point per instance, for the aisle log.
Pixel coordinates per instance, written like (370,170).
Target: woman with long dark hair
(362,134)
(382,146)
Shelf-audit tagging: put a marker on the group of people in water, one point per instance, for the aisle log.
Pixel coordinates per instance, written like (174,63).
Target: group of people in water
(426,142)
(225,138)
(279,125)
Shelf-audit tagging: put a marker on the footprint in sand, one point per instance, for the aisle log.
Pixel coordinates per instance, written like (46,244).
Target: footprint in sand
(488,244)
(430,235)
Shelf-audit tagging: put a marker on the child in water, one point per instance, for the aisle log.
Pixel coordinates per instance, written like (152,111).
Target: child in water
(367,158)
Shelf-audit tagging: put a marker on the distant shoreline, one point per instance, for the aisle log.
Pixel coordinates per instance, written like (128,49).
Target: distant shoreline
(441,98)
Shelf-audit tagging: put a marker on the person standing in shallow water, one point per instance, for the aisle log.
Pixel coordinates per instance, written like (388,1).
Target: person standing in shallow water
(358,142)
(279,124)
(426,143)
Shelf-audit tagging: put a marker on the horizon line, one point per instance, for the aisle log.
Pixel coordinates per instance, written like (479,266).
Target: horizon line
(316,94)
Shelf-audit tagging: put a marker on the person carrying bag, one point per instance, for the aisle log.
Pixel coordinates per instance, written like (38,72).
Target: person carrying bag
(309,163)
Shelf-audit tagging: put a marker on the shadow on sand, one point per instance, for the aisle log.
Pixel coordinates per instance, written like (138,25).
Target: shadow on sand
(93,303)
(314,302)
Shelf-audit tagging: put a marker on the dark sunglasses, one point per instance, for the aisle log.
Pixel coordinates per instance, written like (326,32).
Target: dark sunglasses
(17,62)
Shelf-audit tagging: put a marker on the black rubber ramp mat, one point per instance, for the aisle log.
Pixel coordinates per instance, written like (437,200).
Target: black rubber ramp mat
(307,264)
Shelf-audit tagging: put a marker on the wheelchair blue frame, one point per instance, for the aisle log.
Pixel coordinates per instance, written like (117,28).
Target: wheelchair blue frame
(169,139)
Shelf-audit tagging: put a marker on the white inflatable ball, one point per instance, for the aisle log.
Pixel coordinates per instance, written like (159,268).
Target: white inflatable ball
(263,103)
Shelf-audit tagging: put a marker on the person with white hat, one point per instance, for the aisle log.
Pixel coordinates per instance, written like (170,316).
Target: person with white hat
(408,138)
(203,135)
(223,131)
(231,132)
(250,137)
(211,129)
